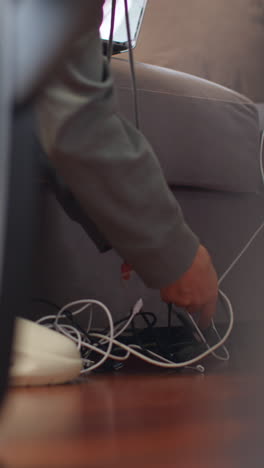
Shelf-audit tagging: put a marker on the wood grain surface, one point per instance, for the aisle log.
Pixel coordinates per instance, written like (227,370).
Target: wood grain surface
(143,417)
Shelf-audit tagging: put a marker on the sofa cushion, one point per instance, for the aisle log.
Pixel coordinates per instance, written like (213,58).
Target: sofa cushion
(220,41)
(205,135)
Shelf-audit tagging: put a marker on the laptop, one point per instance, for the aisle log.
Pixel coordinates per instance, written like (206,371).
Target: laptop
(136,9)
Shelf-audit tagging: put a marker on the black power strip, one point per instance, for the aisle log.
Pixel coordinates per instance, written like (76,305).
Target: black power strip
(177,344)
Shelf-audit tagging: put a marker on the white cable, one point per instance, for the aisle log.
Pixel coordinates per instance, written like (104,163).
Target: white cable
(90,321)
(261,156)
(52,317)
(76,336)
(248,244)
(202,337)
(136,310)
(46,318)
(79,311)
(98,350)
(111,329)
(74,333)
(198,368)
(158,356)
(227,355)
(236,260)
(172,364)
(65,329)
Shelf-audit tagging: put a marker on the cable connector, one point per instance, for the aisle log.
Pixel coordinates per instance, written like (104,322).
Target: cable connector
(137,307)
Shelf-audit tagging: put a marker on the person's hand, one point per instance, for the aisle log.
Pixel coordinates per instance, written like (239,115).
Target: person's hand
(196,290)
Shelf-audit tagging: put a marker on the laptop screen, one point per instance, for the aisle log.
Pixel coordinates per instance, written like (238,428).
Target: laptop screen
(136,12)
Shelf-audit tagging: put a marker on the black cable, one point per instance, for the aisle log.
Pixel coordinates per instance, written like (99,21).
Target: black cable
(118,322)
(111,35)
(169,315)
(150,333)
(46,302)
(145,316)
(136,335)
(132,67)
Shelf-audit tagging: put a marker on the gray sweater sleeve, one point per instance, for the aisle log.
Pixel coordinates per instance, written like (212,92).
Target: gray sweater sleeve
(111,168)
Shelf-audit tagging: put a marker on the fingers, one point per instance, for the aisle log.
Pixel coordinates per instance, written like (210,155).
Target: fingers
(197,289)
(207,313)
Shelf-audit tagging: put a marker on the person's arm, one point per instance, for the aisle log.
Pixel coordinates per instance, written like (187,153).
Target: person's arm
(111,169)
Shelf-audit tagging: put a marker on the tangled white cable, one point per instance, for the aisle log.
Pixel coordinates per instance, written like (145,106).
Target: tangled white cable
(83,340)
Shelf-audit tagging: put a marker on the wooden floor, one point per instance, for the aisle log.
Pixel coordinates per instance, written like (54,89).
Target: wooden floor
(144,417)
